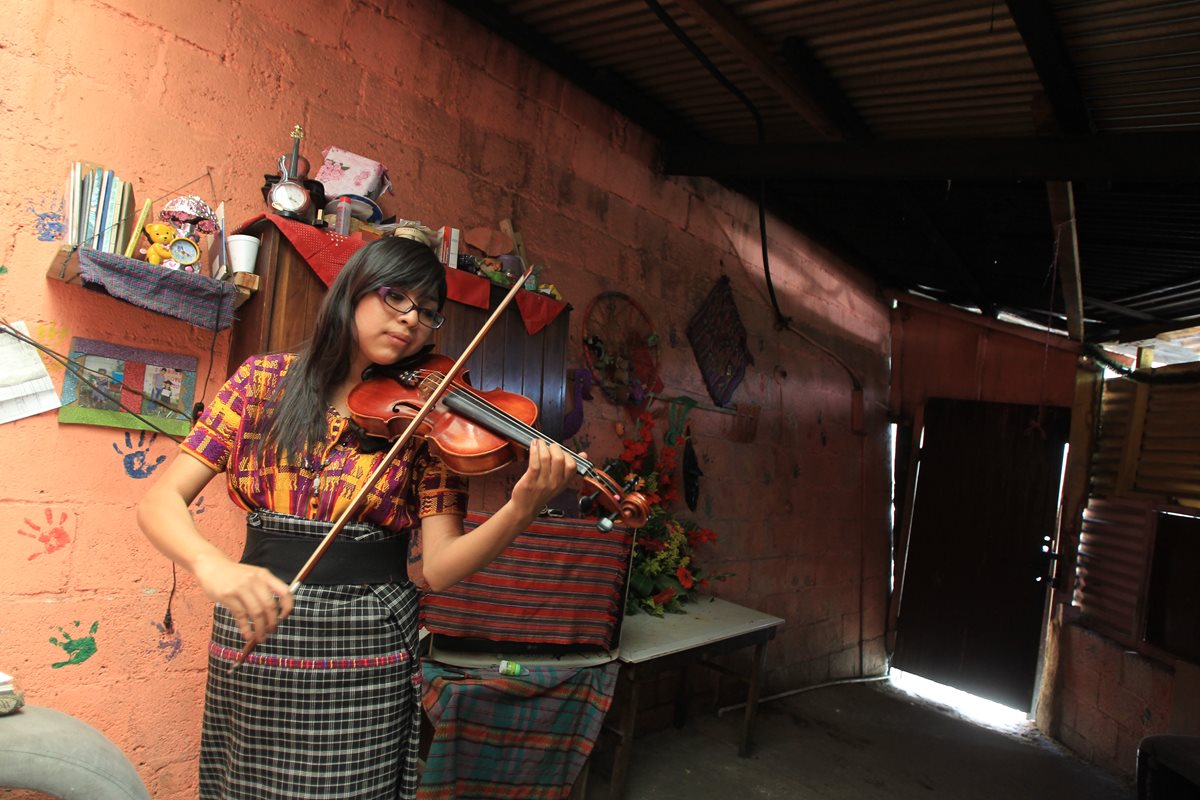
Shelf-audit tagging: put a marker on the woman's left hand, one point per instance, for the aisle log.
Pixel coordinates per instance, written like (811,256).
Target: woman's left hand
(548,472)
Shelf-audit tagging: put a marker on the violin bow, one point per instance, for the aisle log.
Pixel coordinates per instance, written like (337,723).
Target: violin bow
(377,474)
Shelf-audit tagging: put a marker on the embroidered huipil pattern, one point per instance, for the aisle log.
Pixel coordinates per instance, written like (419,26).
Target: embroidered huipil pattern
(321,483)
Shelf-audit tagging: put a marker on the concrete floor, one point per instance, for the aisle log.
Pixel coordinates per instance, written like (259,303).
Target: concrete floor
(862,741)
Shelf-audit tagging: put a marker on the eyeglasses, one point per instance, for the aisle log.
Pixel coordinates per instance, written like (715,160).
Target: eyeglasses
(399,302)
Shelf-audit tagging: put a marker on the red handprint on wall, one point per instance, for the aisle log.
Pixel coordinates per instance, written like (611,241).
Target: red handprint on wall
(53,537)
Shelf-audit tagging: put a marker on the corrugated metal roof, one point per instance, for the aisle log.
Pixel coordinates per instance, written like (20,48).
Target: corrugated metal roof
(962,219)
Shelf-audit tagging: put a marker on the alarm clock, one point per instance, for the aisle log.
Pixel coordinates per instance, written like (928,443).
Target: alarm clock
(184,251)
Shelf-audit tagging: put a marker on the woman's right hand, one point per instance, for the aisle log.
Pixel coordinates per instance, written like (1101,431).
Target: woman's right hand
(253,596)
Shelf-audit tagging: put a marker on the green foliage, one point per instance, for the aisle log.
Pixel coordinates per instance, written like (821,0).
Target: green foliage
(665,573)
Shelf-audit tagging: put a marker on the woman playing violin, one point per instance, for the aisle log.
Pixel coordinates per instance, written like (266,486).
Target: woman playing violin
(328,703)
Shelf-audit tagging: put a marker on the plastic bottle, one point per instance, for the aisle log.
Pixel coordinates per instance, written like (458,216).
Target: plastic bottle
(511,668)
(343,216)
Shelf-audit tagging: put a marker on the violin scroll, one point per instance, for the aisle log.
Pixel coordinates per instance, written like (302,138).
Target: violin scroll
(623,504)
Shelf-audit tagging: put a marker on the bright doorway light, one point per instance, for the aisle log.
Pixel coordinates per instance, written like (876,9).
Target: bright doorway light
(977,709)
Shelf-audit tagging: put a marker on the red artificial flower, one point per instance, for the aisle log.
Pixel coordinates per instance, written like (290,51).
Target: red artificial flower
(664,597)
(634,452)
(685,577)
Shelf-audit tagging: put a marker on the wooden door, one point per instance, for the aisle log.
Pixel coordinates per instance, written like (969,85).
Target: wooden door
(971,604)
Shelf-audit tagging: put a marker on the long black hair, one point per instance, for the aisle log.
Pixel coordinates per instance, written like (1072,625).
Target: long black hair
(296,419)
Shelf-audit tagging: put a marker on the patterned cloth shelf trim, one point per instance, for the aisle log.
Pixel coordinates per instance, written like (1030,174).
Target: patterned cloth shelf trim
(194,298)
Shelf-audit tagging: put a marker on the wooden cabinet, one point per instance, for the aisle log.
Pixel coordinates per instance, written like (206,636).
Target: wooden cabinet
(280,316)
(510,359)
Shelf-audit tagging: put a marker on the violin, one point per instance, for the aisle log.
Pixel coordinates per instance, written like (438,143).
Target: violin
(476,432)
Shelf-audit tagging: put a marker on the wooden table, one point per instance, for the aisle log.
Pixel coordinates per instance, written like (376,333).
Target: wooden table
(650,645)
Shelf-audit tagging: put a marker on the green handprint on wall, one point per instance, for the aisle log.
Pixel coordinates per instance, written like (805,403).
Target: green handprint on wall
(78,650)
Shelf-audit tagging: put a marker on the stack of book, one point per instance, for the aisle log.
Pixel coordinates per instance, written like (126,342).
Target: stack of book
(99,208)
(11,698)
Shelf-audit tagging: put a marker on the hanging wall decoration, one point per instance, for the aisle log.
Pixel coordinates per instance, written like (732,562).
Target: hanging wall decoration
(718,340)
(109,379)
(620,347)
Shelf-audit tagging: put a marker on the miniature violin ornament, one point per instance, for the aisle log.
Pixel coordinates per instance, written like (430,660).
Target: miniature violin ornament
(476,432)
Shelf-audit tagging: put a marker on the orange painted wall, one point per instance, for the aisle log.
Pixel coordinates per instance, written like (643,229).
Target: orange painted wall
(472,132)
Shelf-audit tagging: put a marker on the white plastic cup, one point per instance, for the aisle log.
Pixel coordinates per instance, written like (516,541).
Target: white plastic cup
(243,252)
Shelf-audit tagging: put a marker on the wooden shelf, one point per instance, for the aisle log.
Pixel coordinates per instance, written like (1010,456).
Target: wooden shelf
(246,284)
(150,286)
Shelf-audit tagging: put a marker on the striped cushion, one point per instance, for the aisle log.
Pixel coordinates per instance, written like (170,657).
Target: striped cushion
(559,586)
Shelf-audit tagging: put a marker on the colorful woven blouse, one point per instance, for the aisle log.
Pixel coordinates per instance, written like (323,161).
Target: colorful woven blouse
(326,478)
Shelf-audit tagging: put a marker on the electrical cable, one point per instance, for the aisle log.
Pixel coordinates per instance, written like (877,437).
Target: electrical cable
(869,679)
(77,370)
(781,321)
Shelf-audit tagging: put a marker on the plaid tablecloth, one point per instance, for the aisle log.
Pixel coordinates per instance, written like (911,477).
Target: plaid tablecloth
(498,737)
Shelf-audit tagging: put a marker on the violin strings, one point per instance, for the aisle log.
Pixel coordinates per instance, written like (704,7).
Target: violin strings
(500,417)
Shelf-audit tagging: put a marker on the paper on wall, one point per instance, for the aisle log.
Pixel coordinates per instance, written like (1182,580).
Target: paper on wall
(25,386)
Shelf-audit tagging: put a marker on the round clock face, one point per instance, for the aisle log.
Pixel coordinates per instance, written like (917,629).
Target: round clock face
(184,251)
(289,196)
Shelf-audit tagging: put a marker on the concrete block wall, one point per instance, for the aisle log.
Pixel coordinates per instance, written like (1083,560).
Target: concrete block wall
(472,132)
(1109,698)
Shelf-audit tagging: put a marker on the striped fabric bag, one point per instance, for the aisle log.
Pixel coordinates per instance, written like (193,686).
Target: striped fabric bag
(559,587)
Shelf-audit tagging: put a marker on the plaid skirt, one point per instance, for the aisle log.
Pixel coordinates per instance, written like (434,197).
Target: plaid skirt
(328,707)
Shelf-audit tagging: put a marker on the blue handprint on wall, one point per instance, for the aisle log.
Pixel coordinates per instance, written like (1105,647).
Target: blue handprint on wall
(50,225)
(169,641)
(135,459)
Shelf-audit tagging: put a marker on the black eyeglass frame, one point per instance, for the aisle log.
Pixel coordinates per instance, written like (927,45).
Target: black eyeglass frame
(428,317)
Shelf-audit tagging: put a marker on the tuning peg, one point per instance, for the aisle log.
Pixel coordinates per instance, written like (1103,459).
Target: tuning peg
(587,502)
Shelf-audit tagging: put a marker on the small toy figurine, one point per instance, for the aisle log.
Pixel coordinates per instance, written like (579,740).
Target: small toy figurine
(160,234)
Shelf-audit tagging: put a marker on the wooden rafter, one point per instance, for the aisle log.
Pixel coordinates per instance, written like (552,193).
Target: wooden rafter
(1142,157)
(1066,237)
(1052,61)
(719,23)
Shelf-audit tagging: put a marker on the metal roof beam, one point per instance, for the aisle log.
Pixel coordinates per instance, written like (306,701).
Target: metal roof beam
(1052,61)
(1130,156)
(732,34)
(824,90)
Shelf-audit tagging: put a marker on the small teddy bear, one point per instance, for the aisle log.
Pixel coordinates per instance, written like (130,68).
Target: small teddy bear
(160,235)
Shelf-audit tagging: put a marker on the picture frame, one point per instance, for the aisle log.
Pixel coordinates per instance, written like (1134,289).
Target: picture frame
(160,387)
